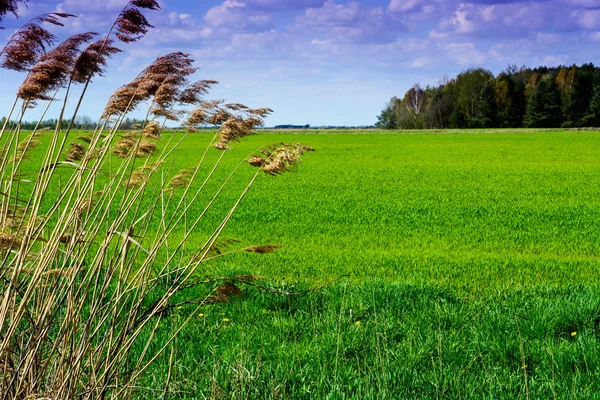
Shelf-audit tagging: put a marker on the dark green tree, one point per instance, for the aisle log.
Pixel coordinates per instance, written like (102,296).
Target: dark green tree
(475,98)
(388,117)
(544,105)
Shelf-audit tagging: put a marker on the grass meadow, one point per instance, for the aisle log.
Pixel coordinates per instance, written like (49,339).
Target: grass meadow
(463,266)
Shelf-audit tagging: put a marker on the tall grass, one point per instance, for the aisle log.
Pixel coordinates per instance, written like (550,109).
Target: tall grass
(83,279)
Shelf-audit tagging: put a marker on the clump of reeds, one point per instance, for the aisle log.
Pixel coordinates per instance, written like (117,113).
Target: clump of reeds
(30,41)
(53,69)
(85,138)
(152,130)
(182,178)
(278,159)
(128,145)
(28,144)
(9,241)
(84,285)
(269,248)
(76,152)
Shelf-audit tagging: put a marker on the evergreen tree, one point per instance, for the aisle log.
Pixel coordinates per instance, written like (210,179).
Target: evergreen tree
(544,106)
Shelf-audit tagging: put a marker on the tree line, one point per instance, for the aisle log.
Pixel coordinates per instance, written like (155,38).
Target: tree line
(518,97)
(82,122)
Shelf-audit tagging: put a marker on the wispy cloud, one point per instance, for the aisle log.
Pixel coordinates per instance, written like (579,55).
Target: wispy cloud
(370,49)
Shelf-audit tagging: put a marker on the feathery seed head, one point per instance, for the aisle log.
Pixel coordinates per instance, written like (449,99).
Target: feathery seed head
(9,241)
(76,152)
(269,248)
(152,130)
(10,6)
(278,159)
(92,61)
(193,93)
(53,68)
(29,42)
(132,25)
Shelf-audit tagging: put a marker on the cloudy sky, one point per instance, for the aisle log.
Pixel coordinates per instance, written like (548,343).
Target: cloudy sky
(332,62)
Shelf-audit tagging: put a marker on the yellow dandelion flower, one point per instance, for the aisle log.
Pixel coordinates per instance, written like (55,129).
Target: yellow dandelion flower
(357,323)
(226,320)
(574,334)
(200,315)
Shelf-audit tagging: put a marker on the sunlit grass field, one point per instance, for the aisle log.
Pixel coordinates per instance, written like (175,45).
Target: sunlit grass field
(472,212)
(465,266)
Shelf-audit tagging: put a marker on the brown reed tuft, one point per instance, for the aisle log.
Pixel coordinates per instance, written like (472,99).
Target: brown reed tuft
(182,178)
(236,107)
(30,42)
(169,93)
(29,143)
(152,130)
(219,117)
(173,67)
(236,128)
(84,138)
(9,241)
(10,6)
(93,60)
(124,147)
(193,93)
(269,248)
(138,178)
(196,117)
(76,152)
(257,161)
(53,69)
(145,149)
(134,135)
(131,24)
(278,159)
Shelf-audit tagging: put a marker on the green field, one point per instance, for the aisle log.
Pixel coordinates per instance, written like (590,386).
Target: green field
(466,266)
(472,212)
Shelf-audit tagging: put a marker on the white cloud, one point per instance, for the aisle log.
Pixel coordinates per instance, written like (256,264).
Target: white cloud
(464,54)
(403,5)
(351,22)
(318,42)
(235,15)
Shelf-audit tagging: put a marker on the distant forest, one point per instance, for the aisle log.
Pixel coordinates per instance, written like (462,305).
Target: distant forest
(518,97)
(81,122)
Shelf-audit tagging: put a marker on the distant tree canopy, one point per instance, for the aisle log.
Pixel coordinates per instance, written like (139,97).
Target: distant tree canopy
(518,97)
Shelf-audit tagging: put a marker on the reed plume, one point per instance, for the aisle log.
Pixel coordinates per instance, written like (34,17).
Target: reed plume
(93,60)
(236,127)
(53,69)
(30,42)
(278,159)
(152,130)
(10,6)
(195,92)
(76,152)
(132,25)
(173,67)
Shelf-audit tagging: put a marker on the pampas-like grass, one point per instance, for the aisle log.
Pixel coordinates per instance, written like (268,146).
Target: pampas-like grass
(53,69)
(76,152)
(86,277)
(30,41)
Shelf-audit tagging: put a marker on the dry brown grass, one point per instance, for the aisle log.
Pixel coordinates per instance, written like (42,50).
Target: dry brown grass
(76,152)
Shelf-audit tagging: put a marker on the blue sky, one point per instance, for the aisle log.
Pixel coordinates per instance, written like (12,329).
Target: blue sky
(332,62)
